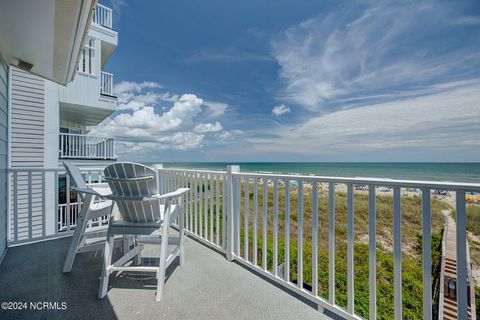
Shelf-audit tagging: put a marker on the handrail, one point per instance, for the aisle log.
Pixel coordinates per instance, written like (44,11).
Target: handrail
(443,185)
(193,170)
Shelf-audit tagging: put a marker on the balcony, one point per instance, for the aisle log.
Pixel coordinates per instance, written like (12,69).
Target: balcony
(86,147)
(106,84)
(102,28)
(103,16)
(272,226)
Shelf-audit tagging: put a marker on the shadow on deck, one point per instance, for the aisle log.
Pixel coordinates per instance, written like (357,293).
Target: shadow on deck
(207,287)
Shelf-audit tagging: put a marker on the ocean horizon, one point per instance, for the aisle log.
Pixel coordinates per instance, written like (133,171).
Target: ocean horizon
(435,171)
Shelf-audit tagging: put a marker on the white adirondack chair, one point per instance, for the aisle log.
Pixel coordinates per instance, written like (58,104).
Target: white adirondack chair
(143,211)
(90,210)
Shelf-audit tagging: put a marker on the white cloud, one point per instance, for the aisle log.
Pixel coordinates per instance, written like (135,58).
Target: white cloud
(385,48)
(228,136)
(469,21)
(208,127)
(441,121)
(131,86)
(176,141)
(280,110)
(216,109)
(144,122)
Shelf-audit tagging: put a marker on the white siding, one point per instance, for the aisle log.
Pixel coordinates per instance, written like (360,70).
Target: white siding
(3,154)
(27,125)
(27,149)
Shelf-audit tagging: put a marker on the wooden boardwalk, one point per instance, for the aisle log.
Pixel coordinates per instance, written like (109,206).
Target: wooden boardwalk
(448,296)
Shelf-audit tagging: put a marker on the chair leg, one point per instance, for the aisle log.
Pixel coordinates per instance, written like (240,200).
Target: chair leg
(125,244)
(181,235)
(107,261)
(163,261)
(77,236)
(138,259)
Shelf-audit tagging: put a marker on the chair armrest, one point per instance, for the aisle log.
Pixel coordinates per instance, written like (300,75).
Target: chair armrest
(129,179)
(86,190)
(177,193)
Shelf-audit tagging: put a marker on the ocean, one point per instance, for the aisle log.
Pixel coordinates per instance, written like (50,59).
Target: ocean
(453,172)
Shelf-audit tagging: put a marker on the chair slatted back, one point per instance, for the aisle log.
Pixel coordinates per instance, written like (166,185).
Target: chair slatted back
(75,175)
(127,179)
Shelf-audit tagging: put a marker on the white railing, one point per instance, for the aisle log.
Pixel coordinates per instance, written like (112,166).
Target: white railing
(80,146)
(106,83)
(35,211)
(103,16)
(215,213)
(205,203)
(271,223)
(63,210)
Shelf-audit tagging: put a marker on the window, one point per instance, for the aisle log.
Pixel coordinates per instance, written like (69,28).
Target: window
(87,56)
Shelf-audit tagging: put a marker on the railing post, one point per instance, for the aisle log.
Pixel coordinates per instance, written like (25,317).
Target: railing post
(231,209)
(156,167)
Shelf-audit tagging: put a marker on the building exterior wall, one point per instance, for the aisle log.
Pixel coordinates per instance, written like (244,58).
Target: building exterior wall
(3,154)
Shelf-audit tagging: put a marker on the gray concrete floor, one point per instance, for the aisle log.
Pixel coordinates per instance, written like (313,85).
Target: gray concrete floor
(207,287)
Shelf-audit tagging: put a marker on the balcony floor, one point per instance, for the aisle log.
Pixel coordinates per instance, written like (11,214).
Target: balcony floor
(207,287)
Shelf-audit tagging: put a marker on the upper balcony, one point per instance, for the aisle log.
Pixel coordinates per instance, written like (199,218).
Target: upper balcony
(102,28)
(103,16)
(86,147)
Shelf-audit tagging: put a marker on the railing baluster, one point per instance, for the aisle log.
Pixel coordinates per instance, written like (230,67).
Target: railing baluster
(397,253)
(212,213)
(350,249)
(275,227)
(462,277)
(314,238)
(300,236)
(331,242)
(30,206)
(200,205)
(224,212)
(67,188)
(56,200)
(191,203)
(217,209)
(44,227)
(372,253)
(427,254)
(205,209)
(246,212)
(195,197)
(237,215)
(264,223)
(255,220)
(287,230)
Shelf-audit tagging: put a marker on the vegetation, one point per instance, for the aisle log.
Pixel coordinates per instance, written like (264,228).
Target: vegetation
(473,226)
(411,245)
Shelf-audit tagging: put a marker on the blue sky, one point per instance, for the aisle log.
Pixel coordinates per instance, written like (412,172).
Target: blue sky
(296,81)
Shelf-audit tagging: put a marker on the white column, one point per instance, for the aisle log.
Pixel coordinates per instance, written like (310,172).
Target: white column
(52,125)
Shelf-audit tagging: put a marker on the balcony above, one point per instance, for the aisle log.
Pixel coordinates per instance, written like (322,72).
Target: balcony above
(89,99)
(86,147)
(106,84)
(102,28)
(103,16)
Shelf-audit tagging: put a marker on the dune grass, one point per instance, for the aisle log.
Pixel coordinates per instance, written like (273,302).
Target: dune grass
(411,245)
